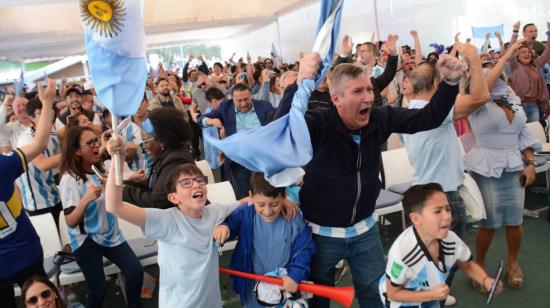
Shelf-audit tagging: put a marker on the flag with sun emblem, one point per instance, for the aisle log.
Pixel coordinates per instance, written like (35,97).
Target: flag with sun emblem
(114,36)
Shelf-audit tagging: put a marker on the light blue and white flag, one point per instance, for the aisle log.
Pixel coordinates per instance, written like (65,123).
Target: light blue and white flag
(478,37)
(274,52)
(115,44)
(280,148)
(20,84)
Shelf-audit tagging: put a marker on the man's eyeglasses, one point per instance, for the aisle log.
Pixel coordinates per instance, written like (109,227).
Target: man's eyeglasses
(93,142)
(188,182)
(33,300)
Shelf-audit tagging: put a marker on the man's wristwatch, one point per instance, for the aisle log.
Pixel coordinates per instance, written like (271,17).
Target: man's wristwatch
(531,162)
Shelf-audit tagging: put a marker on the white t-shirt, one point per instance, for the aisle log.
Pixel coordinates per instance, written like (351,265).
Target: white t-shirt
(97,223)
(411,266)
(187,256)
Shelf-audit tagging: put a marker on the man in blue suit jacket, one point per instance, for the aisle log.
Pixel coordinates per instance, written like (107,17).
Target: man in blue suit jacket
(237,115)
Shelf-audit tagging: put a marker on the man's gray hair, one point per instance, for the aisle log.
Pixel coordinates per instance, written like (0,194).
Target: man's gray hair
(423,76)
(344,72)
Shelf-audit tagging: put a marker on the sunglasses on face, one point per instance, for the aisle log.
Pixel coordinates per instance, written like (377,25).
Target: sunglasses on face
(144,143)
(188,182)
(93,142)
(33,300)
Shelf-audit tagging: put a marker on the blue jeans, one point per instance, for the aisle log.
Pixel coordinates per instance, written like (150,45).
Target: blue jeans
(531,111)
(458,224)
(365,257)
(89,258)
(239,177)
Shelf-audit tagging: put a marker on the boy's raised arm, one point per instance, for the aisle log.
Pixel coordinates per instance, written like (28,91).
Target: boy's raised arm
(113,193)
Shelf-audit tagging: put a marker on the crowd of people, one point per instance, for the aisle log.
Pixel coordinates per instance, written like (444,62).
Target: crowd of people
(58,148)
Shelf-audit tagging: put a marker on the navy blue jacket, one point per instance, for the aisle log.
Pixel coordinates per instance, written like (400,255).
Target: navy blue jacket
(341,183)
(227,115)
(241,225)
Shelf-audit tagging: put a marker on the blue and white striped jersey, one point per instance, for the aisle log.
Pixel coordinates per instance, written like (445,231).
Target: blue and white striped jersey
(98,224)
(38,189)
(411,266)
(142,159)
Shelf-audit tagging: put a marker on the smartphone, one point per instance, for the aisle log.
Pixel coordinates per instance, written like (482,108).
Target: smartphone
(495,282)
(98,173)
(522,180)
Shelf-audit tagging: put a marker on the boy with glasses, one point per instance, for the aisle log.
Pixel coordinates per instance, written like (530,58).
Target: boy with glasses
(187,256)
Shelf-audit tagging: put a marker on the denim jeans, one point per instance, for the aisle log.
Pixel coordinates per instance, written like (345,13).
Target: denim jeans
(365,257)
(458,224)
(89,258)
(239,177)
(531,111)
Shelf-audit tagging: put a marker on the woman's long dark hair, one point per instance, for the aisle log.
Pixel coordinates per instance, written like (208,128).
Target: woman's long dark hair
(70,162)
(59,303)
(171,128)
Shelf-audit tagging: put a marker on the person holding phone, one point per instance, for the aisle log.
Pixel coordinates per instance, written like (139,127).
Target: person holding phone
(502,164)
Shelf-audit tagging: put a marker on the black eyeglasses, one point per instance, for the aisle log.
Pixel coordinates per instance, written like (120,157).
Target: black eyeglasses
(188,182)
(33,300)
(93,142)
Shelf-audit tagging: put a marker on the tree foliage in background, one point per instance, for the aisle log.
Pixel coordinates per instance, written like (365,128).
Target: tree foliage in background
(171,55)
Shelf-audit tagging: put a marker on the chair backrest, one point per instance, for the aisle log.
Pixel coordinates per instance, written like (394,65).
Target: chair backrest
(397,167)
(47,231)
(538,132)
(206,170)
(129,230)
(221,192)
(63,233)
(394,142)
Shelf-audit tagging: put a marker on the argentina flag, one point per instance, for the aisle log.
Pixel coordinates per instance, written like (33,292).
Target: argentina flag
(280,148)
(114,36)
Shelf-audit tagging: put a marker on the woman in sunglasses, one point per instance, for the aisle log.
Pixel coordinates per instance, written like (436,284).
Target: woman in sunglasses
(93,232)
(38,291)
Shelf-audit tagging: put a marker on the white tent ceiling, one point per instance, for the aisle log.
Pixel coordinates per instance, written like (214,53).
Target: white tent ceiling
(35,29)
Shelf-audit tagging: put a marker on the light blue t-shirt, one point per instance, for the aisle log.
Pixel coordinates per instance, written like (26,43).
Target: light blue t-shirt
(187,256)
(271,246)
(247,120)
(435,154)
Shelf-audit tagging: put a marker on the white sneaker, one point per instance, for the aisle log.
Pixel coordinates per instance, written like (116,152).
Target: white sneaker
(450,300)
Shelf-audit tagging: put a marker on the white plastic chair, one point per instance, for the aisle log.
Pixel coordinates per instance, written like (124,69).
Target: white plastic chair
(206,170)
(146,251)
(398,171)
(67,278)
(222,193)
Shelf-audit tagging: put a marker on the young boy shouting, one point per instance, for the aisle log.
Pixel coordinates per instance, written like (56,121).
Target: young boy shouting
(421,257)
(187,256)
(266,241)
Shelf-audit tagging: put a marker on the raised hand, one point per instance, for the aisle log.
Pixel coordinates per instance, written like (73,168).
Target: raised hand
(47,95)
(499,37)
(308,66)
(450,68)
(516,26)
(457,39)
(347,45)
(469,51)
(391,43)
(414,33)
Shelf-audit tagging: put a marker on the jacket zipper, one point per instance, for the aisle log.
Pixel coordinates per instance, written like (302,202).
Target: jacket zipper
(358,175)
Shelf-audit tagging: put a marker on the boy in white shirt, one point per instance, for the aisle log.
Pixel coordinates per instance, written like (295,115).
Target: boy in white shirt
(421,258)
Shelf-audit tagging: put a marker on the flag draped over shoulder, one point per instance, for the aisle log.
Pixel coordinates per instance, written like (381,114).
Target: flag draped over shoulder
(115,44)
(280,148)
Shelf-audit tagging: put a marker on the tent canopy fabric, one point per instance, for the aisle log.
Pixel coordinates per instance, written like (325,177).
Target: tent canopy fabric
(40,29)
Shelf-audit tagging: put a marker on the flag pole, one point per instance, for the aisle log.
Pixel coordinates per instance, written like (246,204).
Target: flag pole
(116,156)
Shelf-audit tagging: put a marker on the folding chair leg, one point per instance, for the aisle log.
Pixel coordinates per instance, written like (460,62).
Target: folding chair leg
(122,282)
(403,220)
